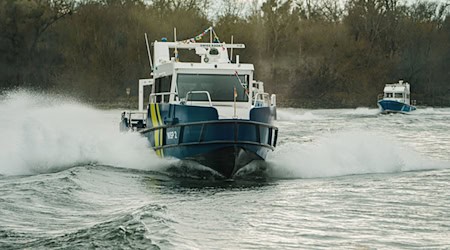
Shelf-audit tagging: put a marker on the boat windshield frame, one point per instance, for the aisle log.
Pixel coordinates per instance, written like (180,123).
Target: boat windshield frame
(215,85)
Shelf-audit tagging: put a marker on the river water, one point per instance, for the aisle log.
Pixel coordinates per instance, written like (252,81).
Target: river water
(339,179)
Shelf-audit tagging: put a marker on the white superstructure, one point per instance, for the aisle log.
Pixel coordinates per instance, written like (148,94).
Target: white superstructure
(213,80)
(399,92)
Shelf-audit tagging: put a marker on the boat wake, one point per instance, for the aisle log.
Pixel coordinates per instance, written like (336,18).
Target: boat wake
(431,111)
(363,111)
(42,133)
(347,153)
(294,115)
(191,169)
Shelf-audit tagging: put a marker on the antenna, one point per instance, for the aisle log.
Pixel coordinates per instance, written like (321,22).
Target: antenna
(175,40)
(148,52)
(231,58)
(210,34)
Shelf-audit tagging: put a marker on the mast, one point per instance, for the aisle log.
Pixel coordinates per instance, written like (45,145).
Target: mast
(231,57)
(148,53)
(210,34)
(175,40)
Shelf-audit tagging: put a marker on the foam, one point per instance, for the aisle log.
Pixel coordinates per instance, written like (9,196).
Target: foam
(363,111)
(346,153)
(42,133)
(296,115)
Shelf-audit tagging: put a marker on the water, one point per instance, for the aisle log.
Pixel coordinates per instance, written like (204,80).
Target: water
(339,179)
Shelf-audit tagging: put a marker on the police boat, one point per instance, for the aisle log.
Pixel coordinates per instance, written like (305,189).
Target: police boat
(396,99)
(210,111)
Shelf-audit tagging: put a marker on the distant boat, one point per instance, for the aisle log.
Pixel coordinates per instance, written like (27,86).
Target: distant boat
(210,111)
(396,98)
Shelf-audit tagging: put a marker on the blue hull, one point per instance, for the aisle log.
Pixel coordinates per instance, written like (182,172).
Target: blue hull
(196,133)
(389,106)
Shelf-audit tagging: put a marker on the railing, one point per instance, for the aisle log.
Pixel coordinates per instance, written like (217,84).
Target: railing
(154,96)
(271,141)
(199,92)
(134,119)
(261,100)
(273,100)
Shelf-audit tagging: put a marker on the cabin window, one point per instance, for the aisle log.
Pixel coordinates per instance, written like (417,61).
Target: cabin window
(398,95)
(162,85)
(389,95)
(220,87)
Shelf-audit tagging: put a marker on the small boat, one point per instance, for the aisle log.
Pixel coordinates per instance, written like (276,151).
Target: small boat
(396,99)
(210,111)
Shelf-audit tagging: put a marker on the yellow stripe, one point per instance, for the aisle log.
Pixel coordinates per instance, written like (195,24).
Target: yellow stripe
(160,130)
(155,124)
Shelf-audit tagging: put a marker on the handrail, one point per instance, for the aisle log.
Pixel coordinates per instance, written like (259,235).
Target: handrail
(270,143)
(162,94)
(215,142)
(273,100)
(208,122)
(130,116)
(199,92)
(263,94)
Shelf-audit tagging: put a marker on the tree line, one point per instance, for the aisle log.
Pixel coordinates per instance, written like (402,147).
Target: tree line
(311,53)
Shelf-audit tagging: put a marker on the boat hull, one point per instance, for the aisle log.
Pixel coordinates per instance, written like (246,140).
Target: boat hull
(197,134)
(225,159)
(389,106)
(224,146)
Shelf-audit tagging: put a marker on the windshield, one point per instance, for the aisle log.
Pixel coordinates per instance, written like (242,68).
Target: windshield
(220,87)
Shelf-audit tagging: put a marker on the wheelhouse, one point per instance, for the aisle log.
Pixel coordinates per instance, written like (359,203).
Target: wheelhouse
(399,92)
(213,81)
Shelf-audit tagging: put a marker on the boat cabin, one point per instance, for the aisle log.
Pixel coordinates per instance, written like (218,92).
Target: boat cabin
(399,92)
(213,80)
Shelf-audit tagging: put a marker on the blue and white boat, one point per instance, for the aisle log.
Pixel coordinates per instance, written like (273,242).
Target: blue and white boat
(210,111)
(396,98)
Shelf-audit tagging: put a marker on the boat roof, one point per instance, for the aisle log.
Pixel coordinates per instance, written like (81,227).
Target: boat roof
(208,52)
(400,86)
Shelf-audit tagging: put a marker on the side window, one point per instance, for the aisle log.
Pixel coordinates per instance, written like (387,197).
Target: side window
(398,95)
(162,85)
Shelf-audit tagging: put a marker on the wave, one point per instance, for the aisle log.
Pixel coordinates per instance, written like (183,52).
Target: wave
(295,115)
(431,111)
(129,230)
(347,153)
(42,133)
(363,111)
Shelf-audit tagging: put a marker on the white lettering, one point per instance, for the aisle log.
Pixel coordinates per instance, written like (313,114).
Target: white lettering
(172,135)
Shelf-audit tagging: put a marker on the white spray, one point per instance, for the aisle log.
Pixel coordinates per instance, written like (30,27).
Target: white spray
(41,133)
(347,153)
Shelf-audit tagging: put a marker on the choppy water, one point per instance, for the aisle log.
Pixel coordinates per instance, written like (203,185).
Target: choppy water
(339,179)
